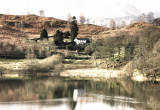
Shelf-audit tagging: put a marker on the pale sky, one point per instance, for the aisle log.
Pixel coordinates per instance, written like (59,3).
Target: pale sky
(90,8)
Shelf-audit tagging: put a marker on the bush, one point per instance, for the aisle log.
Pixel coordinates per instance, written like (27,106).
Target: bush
(52,63)
(44,34)
(30,52)
(53,23)
(70,47)
(89,49)
(58,37)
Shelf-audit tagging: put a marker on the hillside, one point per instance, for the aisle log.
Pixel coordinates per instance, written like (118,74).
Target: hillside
(30,26)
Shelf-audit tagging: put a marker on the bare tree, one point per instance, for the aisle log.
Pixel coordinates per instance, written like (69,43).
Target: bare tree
(123,24)
(82,18)
(112,24)
(41,13)
(69,19)
(150,17)
(8,11)
(88,21)
(141,18)
(28,13)
(146,18)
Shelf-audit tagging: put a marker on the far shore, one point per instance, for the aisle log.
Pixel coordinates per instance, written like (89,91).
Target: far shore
(98,74)
(89,73)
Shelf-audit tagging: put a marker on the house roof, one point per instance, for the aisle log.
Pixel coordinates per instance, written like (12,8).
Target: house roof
(82,38)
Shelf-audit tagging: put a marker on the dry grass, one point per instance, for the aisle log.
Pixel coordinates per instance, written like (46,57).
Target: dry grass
(52,63)
(128,69)
(92,73)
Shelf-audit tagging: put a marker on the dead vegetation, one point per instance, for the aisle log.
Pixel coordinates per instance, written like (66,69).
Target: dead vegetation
(29,26)
(52,64)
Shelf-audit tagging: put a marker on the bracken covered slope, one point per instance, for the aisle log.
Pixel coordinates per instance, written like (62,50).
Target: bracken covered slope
(13,27)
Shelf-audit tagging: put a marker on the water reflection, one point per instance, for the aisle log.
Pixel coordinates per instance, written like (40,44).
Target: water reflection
(66,94)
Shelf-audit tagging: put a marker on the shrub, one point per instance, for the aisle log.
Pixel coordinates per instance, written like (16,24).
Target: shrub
(13,18)
(70,47)
(53,23)
(58,37)
(52,63)
(30,52)
(66,34)
(44,34)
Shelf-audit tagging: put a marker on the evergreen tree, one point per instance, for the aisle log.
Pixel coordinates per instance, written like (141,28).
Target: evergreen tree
(44,34)
(58,37)
(74,29)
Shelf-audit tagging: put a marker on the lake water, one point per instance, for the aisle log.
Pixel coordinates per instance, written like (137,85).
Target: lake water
(66,94)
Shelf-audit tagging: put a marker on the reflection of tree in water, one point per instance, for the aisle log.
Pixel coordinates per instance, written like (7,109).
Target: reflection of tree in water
(53,88)
(126,88)
(58,93)
(72,104)
(150,104)
(8,88)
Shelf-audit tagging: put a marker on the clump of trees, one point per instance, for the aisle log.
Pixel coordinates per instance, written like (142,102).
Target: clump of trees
(142,49)
(115,51)
(148,18)
(147,53)
(30,49)
(156,21)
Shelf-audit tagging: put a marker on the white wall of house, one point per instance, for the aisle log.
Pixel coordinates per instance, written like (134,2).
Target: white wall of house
(80,42)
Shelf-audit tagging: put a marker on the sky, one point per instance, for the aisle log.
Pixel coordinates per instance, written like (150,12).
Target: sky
(90,8)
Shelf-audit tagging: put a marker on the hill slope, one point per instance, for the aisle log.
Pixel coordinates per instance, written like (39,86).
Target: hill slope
(30,26)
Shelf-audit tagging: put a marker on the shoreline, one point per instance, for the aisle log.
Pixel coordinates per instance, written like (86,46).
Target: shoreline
(103,74)
(90,74)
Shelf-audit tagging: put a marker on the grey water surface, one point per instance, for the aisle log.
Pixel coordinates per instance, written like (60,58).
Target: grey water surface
(56,93)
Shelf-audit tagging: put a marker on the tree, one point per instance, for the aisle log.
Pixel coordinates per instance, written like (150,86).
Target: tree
(129,49)
(41,13)
(119,40)
(146,18)
(82,18)
(147,55)
(112,24)
(123,24)
(69,19)
(44,34)
(156,21)
(88,21)
(150,17)
(141,18)
(74,29)
(54,23)
(58,37)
